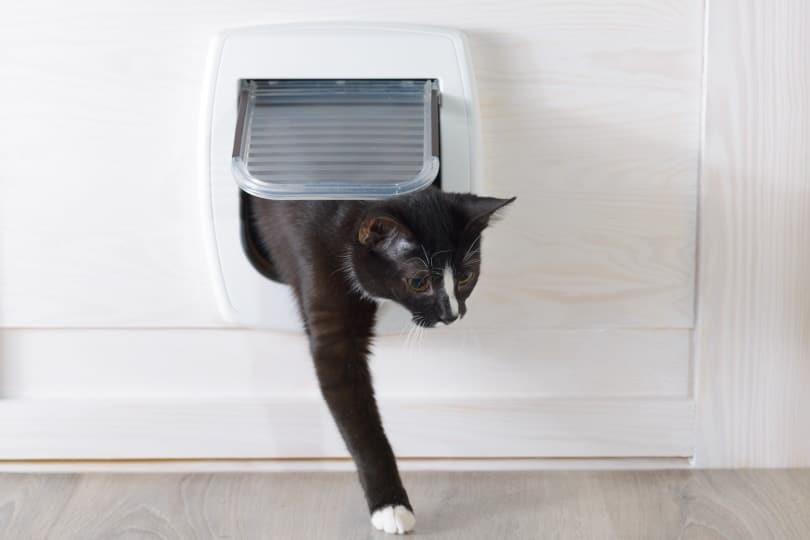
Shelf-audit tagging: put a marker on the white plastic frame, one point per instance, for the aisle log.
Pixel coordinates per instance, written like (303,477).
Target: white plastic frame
(320,51)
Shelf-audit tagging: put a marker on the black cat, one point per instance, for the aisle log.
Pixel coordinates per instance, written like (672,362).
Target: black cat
(421,250)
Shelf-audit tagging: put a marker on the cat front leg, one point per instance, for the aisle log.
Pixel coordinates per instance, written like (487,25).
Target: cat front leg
(340,341)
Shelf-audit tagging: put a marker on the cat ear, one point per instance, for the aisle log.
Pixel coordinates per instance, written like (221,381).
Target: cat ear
(386,235)
(479,210)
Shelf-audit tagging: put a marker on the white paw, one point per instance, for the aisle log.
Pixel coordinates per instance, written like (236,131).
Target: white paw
(393,519)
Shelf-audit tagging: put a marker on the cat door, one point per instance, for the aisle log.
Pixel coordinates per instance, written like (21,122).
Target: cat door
(336,138)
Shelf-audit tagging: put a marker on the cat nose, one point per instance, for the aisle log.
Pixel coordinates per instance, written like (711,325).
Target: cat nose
(447,318)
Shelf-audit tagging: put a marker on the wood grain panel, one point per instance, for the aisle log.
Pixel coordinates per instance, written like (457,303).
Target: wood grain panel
(302,428)
(589,111)
(209,364)
(754,337)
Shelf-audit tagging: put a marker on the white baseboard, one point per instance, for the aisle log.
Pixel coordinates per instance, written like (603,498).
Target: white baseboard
(71,429)
(331,465)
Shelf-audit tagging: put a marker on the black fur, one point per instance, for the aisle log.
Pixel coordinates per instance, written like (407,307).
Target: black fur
(339,255)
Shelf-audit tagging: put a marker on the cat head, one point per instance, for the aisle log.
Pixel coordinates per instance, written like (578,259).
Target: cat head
(423,251)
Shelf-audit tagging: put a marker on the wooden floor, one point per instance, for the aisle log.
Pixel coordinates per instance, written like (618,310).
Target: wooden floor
(482,505)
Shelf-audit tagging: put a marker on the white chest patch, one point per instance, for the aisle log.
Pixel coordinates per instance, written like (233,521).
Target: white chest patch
(450,289)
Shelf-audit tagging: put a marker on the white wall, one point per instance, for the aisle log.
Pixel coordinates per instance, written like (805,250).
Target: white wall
(580,328)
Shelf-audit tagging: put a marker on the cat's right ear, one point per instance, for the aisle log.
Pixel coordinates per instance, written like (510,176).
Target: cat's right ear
(385,235)
(480,210)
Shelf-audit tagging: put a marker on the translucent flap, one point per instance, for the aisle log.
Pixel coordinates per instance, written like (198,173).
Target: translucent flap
(336,139)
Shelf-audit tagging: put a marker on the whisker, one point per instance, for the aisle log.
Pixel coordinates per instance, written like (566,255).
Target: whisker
(438,253)
(408,337)
(413,342)
(427,258)
(470,249)
(404,327)
(418,259)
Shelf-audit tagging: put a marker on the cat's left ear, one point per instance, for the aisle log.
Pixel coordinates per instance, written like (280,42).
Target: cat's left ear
(480,210)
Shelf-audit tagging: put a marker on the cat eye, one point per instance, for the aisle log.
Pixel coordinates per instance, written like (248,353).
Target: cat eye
(466,278)
(420,284)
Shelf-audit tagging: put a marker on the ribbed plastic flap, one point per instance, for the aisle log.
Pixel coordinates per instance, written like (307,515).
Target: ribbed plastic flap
(338,139)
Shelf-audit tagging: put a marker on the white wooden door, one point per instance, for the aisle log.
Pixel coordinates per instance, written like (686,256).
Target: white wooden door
(578,340)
